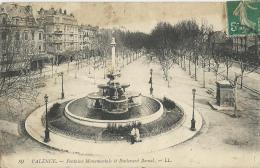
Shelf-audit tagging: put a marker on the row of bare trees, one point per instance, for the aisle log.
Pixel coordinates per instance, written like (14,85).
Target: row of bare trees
(201,46)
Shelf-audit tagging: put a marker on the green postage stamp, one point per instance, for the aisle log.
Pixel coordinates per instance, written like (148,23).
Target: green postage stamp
(243,17)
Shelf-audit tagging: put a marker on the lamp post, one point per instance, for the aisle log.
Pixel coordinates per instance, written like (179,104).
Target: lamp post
(151,81)
(62,90)
(193,128)
(105,66)
(47,132)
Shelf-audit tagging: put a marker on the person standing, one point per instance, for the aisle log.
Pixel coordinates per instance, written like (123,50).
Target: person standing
(132,135)
(137,135)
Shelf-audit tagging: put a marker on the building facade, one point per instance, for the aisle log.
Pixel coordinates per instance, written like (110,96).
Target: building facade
(51,34)
(22,38)
(248,43)
(88,37)
(61,31)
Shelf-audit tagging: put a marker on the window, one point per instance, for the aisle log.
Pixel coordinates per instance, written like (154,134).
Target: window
(17,36)
(58,28)
(25,35)
(4,49)
(17,49)
(4,20)
(32,35)
(4,35)
(40,48)
(4,57)
(40,35)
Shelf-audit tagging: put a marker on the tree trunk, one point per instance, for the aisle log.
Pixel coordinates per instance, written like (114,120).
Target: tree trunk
(189,65)
(52,67)
(195,77)
(204,66)
(241,81)
(184,62)
(216,74)
(227,70)
(209,66)
(235,96)
(179,62)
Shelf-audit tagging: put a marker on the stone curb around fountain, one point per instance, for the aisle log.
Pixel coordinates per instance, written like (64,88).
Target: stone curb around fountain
(177,135)
(103,123)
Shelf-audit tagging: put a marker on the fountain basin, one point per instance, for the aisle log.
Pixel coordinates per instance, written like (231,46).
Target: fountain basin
(103,123)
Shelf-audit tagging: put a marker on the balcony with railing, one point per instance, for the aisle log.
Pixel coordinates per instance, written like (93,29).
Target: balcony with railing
(55,40)
(58,32)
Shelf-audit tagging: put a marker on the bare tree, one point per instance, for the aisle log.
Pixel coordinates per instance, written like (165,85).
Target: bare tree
(247,65)
(217,43)
(17,82)
(166,60)
(164,47)
(228,56)
(187,33)
(203,48)
(247,60)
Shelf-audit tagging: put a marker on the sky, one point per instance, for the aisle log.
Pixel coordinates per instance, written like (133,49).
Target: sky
(141,16)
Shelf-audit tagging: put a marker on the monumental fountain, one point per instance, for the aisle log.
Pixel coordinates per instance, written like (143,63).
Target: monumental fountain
(113,104)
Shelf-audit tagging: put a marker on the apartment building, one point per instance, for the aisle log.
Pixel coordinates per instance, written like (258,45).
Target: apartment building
(22,38)
(88,37)
(61,31)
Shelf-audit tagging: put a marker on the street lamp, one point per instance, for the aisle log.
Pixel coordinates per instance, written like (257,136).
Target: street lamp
(47,132)
(151,81)
(105,66)
(193,128)
(62,90)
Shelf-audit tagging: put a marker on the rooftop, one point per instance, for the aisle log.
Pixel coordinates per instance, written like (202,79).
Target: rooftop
(15,10)
(88,27)
(53,11)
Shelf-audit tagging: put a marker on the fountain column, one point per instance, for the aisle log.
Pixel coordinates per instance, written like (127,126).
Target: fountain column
(113,44)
